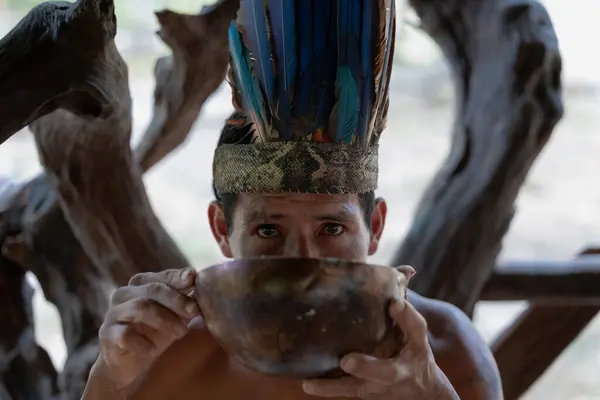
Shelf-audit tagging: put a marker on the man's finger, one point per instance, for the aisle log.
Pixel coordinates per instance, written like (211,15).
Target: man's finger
(411,323)
(127,339)
(197,324)
(407,271)
(150,313)
(178,279)
(342,387)
(382,371)
(182,305)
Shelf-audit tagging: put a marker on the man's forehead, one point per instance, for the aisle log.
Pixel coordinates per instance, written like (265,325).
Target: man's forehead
(268,206)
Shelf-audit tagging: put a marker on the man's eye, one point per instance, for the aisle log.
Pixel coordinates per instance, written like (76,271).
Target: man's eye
(333,229)
(267,231)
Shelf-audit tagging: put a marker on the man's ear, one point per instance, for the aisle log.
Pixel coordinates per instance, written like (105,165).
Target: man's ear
(377,224)
(218,226)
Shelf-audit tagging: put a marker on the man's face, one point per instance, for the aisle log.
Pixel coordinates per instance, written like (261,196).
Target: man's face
(298,225)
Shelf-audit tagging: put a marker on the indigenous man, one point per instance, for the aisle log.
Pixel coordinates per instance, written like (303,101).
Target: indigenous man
(294,175)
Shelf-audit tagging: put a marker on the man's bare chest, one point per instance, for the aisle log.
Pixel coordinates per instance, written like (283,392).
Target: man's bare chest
(219,380)
(235,383)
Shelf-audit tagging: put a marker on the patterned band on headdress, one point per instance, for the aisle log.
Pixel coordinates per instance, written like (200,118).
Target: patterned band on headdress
(307,167)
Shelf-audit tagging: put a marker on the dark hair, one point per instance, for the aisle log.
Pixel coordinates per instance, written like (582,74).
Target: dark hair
(236,132)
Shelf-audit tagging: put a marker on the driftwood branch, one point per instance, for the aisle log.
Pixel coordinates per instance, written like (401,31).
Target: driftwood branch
(507,66)
(533,342)
(187,78)
(53,59)
(41,239)
(549,283)
(101,192)
(99,184)
(26,369)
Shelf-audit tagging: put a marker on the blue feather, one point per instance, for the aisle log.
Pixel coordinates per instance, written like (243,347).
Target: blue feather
(326,52)
(322,25)
(314,95)
(307,67)
(252,23)
(349,68)
(314,65)
(347,105)
(325,100)
(246,82)
(306,32)
(283,31)
(368,77)
(349,35)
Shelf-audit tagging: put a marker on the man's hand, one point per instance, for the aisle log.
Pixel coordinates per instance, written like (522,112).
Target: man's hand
(412,374)
(143,320)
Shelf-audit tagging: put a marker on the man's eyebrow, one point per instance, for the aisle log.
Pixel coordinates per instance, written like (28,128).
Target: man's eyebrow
(260,214)
(340,216)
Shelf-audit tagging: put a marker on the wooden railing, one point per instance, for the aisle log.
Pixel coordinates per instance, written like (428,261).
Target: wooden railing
(564,298)
(548,283)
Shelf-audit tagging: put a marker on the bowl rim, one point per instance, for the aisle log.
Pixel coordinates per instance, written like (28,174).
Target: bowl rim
(329,261)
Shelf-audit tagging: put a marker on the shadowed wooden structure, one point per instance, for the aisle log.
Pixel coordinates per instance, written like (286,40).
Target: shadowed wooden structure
(86,224)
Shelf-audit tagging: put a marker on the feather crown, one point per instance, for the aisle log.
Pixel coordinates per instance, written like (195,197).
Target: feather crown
(313,70)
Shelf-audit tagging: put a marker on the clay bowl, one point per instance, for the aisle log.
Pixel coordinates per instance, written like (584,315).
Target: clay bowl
(296,318)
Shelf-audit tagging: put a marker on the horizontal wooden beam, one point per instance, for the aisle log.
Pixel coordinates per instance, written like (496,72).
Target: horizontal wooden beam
(526,349)
(569,282)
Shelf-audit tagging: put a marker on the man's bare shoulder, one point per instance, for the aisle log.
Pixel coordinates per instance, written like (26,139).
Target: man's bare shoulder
(459,350)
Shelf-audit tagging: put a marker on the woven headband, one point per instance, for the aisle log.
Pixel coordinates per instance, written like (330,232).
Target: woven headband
(306,167)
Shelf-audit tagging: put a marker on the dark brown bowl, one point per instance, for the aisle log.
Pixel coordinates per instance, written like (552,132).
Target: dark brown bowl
(297,317)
